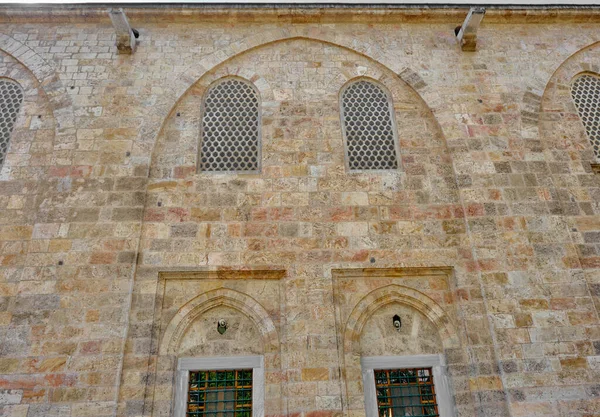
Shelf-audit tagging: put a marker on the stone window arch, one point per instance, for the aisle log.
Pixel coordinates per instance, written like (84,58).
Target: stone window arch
(368,126)
(11,98)
(358,367)
(585,91)
(230,127)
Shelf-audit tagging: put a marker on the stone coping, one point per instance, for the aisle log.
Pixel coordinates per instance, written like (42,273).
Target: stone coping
(295,13)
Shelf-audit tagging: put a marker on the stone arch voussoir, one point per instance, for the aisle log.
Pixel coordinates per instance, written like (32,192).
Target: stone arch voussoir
(220,297)
(49,81)
(370,50)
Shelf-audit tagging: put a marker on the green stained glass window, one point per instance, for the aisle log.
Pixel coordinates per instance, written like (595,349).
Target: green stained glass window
(226,393)
(406,392)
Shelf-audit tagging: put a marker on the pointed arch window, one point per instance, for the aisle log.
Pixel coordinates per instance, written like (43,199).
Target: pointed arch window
(368,126)
(585,91)
(11,98)
(230,131)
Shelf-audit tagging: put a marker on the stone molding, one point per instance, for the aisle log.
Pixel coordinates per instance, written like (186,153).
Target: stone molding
(397,294)
(211,299)
(385,293)
(225,274)
(392,272)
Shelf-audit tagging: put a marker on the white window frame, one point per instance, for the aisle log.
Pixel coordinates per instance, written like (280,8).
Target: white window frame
(440,379)
(185,365)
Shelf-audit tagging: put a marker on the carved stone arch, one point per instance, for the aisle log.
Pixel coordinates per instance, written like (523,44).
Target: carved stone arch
(220,297)
(234,71)
(394,293)
(378,79)
(572,72)
(531,102)
(42,70)
(190,76)
(49,82)
(562,129)
(31,114)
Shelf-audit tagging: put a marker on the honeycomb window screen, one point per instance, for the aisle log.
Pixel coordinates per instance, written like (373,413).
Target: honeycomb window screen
(586,95)
(230,132)
(11,98)
(368,126)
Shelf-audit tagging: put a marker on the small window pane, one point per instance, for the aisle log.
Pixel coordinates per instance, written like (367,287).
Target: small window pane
(586,95)
(11,97)
(406,392)
(368,127)
(226,393)
(230,128)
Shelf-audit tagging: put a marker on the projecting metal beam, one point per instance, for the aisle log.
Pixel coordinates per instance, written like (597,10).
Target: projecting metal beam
(467,35)
(125,34)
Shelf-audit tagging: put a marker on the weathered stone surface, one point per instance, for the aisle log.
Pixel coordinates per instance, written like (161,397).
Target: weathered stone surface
(487,239)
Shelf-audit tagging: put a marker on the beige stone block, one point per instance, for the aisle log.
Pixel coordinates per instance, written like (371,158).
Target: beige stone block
(485,383)
(315,374)
(355,199)
(587,223)
(352,229)
(14,410)
(15,232)
(9,365)
(573,363)
(15,202)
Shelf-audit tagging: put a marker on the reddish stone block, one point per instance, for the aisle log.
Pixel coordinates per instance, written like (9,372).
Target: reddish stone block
(281,214)
(475,210)
(102,258)
(154,215)
(341,214)
(183,171)
(259,214)
(260,229)
(177,214)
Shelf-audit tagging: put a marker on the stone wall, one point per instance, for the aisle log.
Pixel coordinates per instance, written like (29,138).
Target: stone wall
(117,256)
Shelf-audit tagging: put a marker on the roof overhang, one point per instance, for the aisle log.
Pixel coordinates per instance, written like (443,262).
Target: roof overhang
(512,4)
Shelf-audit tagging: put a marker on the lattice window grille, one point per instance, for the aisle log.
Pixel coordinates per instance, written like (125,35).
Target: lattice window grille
(226,393)
(586,95)
(406,392)
(230,128)
(367,120)
(11,98)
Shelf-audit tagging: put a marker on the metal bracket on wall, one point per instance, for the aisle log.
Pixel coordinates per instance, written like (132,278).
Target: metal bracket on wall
(467,32)
(126,35)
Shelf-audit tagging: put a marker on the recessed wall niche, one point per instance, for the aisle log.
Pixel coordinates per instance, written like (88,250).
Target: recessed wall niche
(366,303)
(189,308)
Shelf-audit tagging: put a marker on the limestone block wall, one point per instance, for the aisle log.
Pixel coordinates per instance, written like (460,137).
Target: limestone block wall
(118,256)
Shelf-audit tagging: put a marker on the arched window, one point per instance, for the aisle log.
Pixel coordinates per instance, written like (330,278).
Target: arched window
(230,131)
(11,97)
(368,127)
(586,95)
